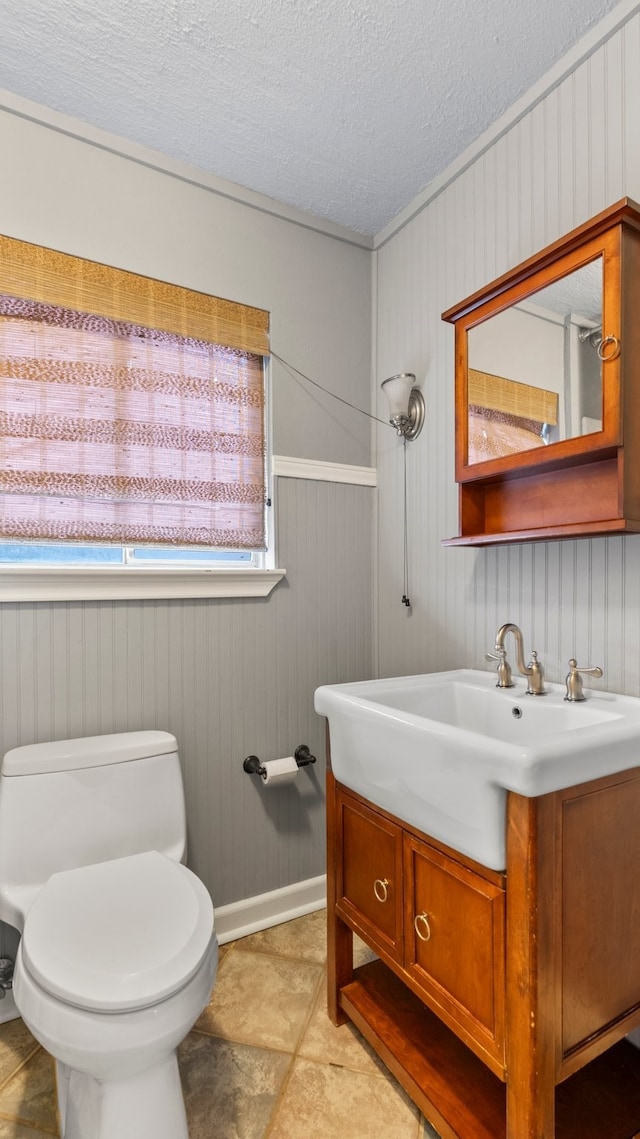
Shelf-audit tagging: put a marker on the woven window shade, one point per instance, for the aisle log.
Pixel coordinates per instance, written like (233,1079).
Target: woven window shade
(512,398)
(131,411)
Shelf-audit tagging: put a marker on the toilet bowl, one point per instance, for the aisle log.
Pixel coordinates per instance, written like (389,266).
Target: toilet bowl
(116,962)
(118,952)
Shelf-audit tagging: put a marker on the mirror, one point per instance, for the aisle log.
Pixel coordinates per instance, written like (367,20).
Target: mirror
(535,369)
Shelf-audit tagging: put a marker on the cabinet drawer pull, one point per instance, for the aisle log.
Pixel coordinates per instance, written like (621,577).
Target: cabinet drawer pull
(380,889)
(422,927)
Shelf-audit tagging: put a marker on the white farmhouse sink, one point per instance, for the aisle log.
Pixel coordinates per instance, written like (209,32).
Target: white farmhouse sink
(440,751)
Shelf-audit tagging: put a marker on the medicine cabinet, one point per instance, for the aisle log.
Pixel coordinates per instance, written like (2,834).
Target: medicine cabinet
(547,391)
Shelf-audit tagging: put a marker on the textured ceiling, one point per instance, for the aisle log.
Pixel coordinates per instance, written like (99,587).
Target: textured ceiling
(346,108)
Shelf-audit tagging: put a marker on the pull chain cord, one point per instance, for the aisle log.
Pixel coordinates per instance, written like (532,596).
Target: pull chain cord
(405,596)
(296,374)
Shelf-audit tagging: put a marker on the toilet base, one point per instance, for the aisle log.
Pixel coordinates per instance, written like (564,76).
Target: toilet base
(147,1106)
(117,1073)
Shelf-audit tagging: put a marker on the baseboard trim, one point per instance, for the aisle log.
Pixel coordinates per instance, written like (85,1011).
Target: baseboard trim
(251,915)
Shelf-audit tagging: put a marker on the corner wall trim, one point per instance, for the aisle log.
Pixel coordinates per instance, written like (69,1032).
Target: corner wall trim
(125,148)
(251,915)
(291,468)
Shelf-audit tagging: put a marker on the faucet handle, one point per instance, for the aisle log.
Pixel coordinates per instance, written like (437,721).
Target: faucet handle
(535,676)
(574,680)
(504,668)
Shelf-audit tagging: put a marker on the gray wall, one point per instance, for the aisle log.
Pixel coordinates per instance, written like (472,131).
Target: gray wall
(574,152)
(227,677)
(61,191)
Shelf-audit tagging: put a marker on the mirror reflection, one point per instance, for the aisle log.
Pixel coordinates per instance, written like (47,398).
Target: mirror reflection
(534,372)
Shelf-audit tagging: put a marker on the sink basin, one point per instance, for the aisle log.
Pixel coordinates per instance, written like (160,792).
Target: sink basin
(440,751)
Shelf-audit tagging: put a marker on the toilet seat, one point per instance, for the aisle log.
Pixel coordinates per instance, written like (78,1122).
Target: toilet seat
(120,935)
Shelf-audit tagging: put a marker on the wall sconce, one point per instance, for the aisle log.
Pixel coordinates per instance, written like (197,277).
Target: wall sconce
(406,404)
(406,413)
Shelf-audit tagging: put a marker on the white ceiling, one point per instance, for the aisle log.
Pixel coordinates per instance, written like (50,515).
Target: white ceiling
(346,108)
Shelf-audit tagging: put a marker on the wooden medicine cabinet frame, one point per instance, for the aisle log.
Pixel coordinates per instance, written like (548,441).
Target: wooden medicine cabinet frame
(581,486)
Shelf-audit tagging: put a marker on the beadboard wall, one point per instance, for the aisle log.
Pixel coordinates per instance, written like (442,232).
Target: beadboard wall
(228,678)
(573,152)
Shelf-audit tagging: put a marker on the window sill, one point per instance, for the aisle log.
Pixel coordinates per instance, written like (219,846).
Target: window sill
(128,583)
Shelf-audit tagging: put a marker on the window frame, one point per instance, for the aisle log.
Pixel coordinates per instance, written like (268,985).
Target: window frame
(129,583)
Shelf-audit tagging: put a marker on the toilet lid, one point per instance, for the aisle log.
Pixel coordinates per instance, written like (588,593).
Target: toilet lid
(118,935)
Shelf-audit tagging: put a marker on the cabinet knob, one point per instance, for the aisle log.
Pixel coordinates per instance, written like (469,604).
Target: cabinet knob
(422,927)
(380,889)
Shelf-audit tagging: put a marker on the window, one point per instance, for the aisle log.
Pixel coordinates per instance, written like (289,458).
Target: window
(132,422)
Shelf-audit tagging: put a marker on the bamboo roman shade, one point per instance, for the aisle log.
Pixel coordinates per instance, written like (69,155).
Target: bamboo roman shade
(512,398)
(131,410)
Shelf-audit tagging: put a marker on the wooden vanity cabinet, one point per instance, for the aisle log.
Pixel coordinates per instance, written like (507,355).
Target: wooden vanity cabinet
(438,922)
(500,1001)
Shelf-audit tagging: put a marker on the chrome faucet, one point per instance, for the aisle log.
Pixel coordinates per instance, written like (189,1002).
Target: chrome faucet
(533,671)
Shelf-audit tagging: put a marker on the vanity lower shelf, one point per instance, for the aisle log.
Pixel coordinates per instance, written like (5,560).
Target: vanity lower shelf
(458,1093)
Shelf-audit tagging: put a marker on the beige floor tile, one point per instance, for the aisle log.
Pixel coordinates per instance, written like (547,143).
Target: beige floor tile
(261,1000)
(230,1090)
(9,1129)
(16,1044)
(30,1097)
(344,1046)
(324,1102)
(304,939)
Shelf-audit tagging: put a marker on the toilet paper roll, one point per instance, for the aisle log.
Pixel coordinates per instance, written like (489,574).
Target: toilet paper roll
(280,771)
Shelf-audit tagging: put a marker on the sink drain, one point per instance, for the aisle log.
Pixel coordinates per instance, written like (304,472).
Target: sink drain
(517,712)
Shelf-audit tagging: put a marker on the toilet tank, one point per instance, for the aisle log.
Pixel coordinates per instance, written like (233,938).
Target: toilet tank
(77,802)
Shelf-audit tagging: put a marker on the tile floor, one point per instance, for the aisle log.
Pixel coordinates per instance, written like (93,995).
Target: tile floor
(262,1062)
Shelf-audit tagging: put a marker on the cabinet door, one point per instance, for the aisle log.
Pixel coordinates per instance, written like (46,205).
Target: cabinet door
(454,945)
(370,875)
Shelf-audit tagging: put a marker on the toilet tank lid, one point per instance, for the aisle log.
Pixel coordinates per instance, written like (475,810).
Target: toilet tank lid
(91,751)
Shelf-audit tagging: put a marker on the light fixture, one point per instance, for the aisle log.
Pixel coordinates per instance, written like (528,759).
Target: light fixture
(406,404)
(406,413)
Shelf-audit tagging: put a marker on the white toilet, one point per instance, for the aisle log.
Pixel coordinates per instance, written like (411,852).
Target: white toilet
(118,952)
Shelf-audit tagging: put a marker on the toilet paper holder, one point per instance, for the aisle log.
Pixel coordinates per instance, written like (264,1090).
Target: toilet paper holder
(253,766)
